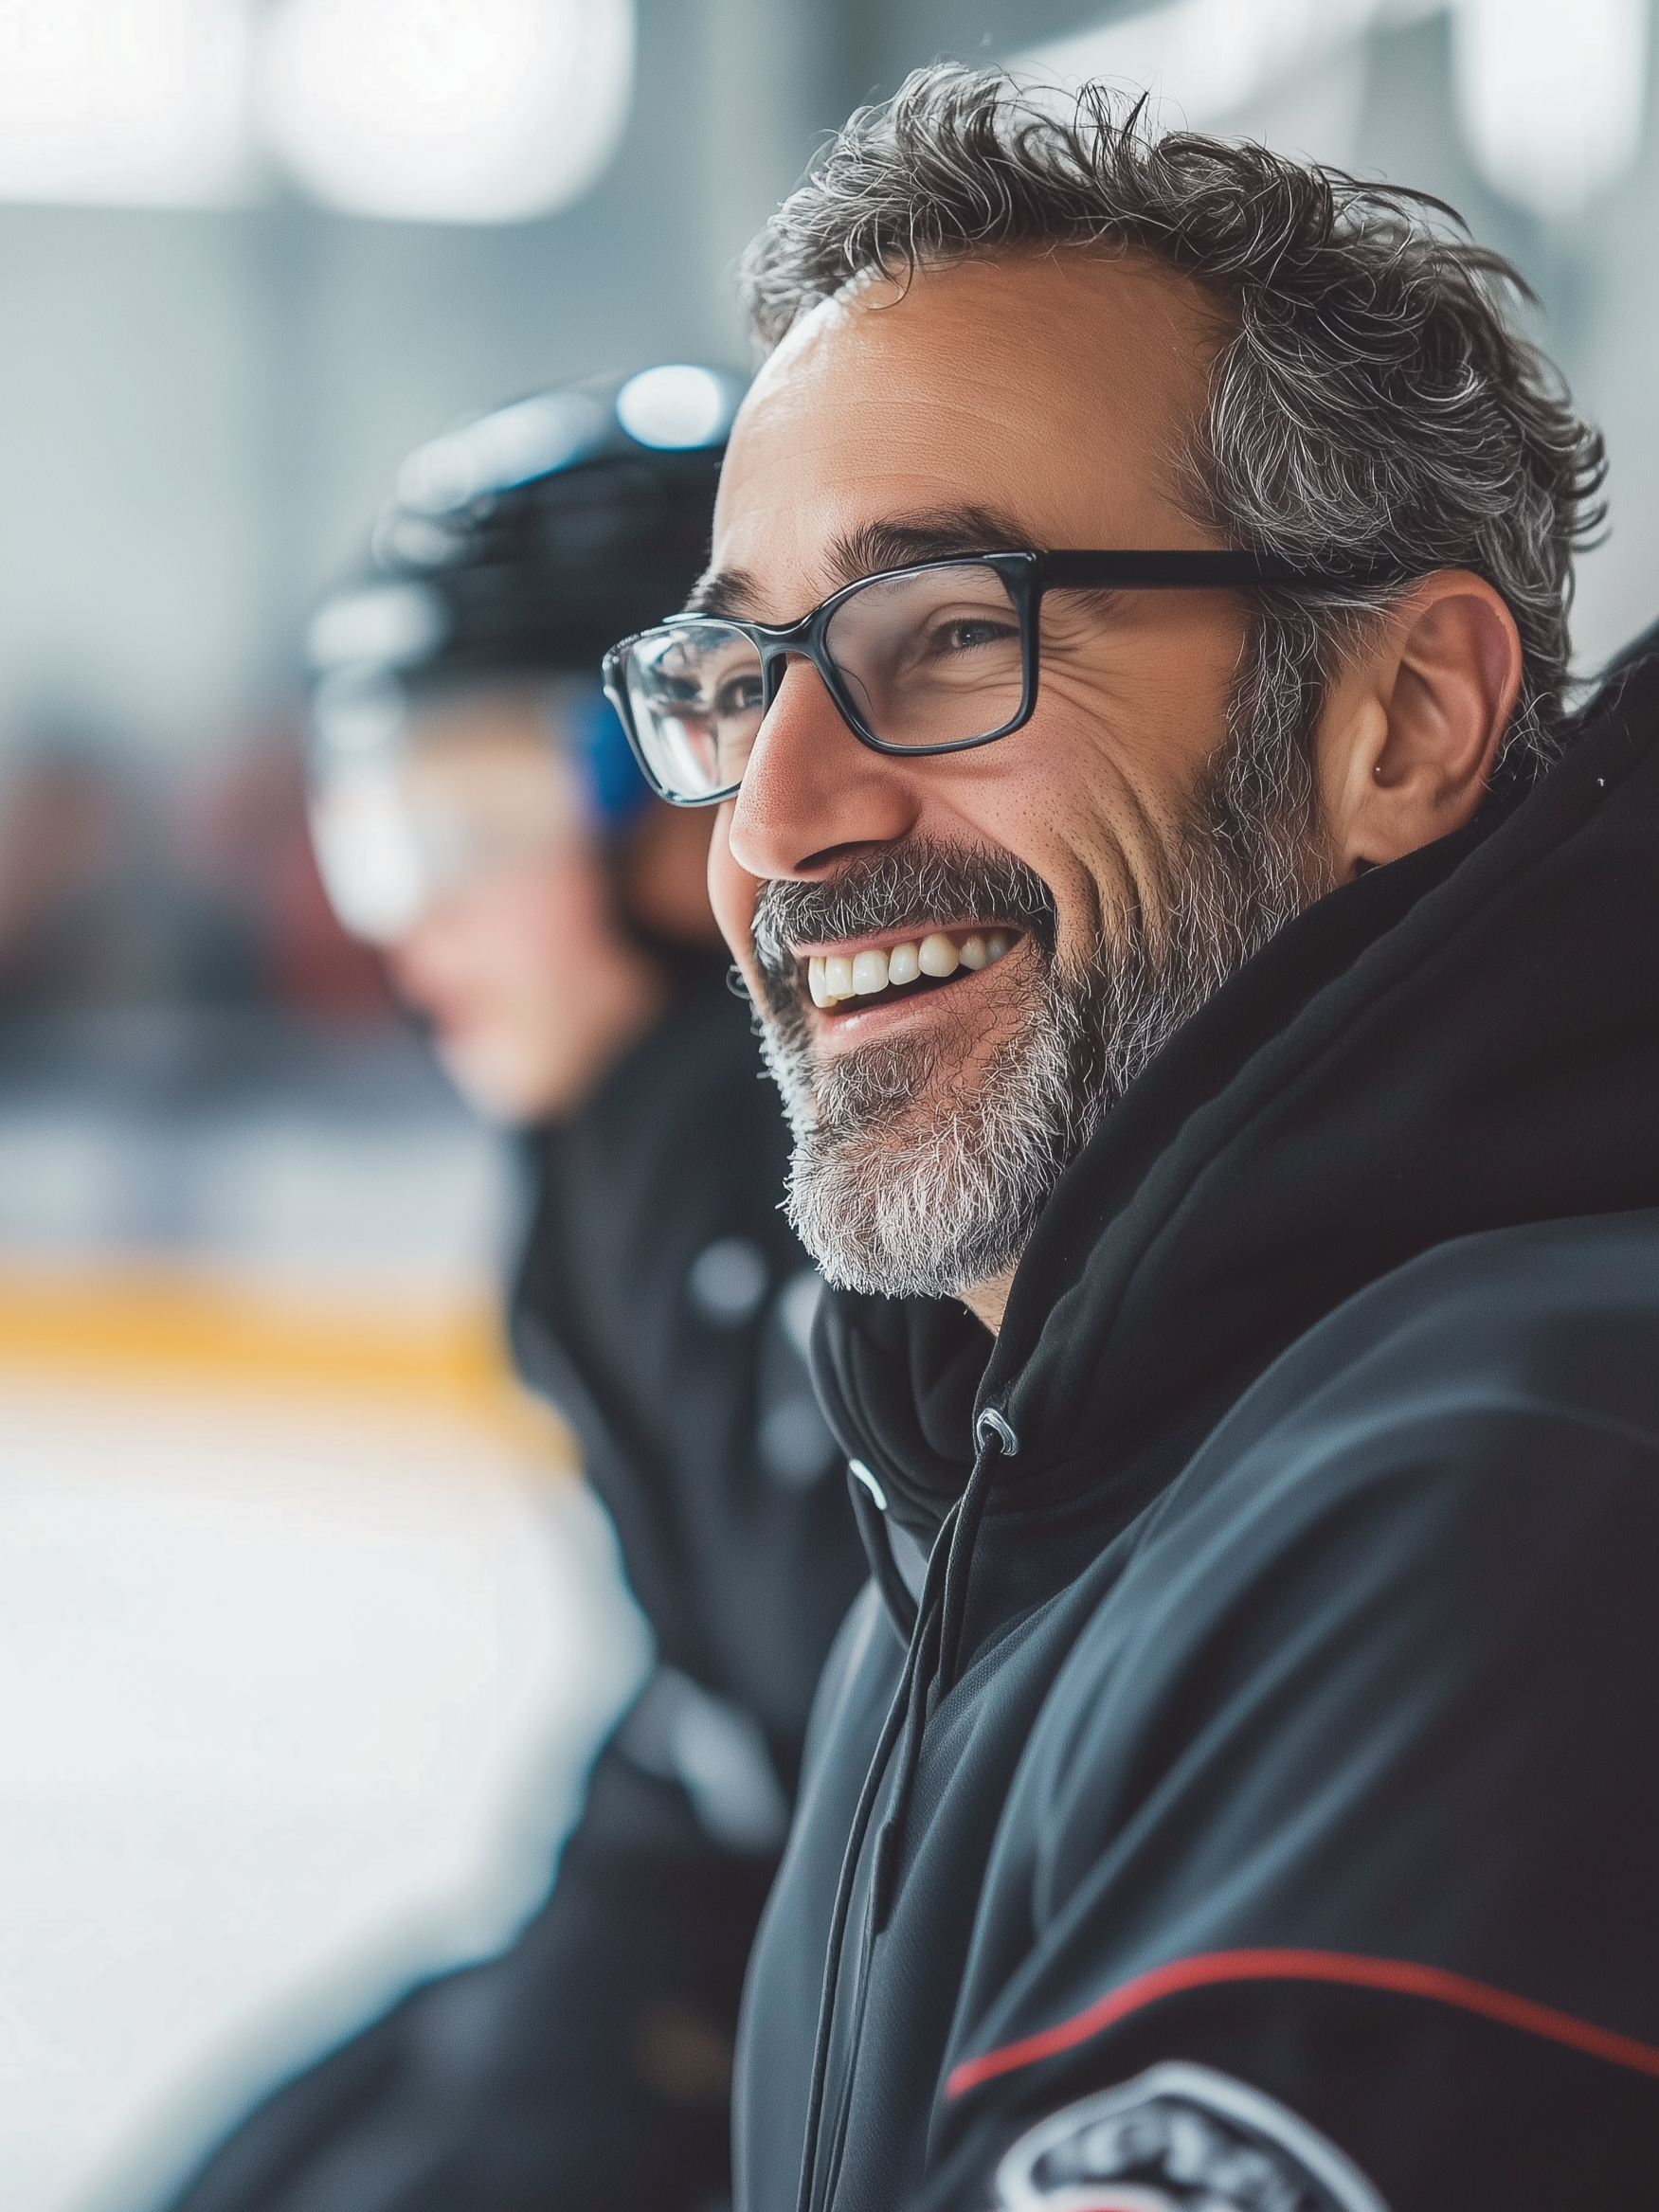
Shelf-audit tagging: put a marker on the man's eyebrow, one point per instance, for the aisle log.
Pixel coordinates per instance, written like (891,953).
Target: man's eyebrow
(722,591)
(940,534)
(937,535)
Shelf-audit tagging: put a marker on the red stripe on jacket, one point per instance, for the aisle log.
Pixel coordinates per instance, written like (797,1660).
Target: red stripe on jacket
(1400,1976)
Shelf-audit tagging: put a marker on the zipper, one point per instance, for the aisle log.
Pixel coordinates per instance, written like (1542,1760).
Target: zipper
(935,1639)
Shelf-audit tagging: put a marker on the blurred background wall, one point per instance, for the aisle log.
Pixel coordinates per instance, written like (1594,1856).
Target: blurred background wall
(251,253)
(201,407)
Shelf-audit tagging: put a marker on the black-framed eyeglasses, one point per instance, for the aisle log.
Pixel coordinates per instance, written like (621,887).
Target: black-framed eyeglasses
(933,657)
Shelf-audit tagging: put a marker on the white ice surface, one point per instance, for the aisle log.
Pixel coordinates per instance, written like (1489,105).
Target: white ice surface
(294,1705)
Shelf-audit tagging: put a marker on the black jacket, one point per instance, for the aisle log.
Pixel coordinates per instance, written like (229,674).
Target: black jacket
(1266,1816)
(663,1304)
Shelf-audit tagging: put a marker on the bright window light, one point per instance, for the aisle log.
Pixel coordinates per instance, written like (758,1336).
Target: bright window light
(1551,97)
(491,112)
(137,103)
(1207,58)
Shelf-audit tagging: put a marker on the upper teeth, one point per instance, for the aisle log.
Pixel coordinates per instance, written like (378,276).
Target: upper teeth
(838,975)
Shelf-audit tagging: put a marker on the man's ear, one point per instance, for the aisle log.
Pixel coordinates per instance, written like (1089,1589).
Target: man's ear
(1412,726)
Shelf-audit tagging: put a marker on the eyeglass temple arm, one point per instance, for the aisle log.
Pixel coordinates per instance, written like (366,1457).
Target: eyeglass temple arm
(1166,571)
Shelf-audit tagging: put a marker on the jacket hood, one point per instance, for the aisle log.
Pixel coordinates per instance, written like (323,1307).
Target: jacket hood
(1467,1039)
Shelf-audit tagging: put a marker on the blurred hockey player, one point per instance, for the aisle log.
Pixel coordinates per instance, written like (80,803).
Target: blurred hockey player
(477,814)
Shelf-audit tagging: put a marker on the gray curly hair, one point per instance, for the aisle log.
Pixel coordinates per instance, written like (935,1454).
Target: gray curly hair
(1373,390)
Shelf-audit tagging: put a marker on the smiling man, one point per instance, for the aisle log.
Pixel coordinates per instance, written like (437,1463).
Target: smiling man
(1212,979)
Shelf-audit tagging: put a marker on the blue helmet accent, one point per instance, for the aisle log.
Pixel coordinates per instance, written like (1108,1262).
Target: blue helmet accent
(616,790)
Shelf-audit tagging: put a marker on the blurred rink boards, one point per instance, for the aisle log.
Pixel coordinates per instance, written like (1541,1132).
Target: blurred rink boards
(306,1632)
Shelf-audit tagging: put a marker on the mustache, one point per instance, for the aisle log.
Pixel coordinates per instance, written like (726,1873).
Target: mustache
(924,880)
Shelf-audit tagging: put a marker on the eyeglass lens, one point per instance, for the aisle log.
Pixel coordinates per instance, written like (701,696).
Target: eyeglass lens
(928,657)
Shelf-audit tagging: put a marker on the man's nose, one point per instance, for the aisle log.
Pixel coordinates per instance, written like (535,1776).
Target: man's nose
(813,796)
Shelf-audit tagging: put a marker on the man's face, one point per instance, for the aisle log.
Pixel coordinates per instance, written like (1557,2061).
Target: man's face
(1044,402)
(516,956)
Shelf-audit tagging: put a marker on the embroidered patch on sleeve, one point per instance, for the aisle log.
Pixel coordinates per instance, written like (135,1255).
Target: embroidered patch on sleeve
(1180,2139)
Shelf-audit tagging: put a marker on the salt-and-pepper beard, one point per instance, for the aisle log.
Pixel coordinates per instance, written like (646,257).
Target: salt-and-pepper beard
(907,1181)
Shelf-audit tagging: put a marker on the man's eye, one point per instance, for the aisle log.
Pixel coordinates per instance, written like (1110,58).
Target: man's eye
(969,632)
(739,695)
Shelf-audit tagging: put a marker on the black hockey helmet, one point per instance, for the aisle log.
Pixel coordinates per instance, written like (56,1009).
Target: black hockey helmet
(518,546)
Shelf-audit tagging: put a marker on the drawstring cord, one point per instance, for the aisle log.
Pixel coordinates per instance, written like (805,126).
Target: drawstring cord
(872,1520)
(937,1635)
(994,1437)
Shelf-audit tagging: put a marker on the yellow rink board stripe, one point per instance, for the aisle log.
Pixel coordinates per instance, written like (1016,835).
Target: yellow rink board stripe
(177,1325)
